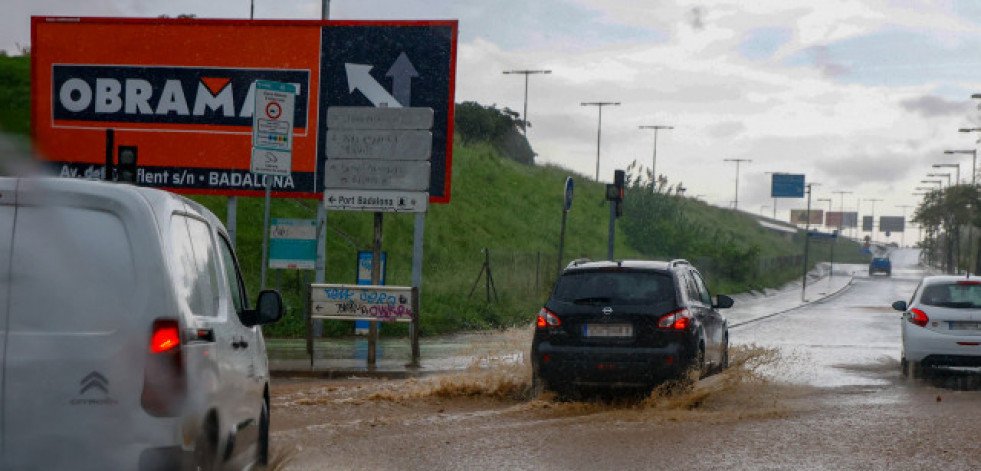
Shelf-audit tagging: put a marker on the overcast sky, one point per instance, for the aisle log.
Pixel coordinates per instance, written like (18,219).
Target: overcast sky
(859,95)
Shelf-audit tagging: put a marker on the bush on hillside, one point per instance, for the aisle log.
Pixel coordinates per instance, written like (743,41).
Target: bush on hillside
(501,128)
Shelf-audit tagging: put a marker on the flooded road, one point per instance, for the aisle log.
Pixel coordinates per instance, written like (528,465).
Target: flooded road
(814,388)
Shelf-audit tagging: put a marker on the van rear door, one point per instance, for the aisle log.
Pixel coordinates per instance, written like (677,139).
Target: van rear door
(76,328)
(8,210)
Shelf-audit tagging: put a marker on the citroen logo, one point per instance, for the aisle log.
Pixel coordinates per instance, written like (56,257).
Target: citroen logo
(607,311)
(96,381)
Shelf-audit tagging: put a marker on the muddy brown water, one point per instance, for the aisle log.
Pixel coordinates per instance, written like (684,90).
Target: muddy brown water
(836,401)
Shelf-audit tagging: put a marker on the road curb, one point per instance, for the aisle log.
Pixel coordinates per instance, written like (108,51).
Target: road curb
(851,279)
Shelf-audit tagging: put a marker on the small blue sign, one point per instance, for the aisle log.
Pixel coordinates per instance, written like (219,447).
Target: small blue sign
(364,278)
(787,185)
(568,193)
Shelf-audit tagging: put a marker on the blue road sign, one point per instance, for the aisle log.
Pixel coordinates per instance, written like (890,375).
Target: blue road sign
(787,185)
(822,235)
(568,193)
(394,66)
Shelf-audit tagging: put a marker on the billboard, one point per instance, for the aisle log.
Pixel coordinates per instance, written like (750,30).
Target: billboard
(891,223)
(799,216)
(183,92)
(786,185)
(867,223)
(841,219)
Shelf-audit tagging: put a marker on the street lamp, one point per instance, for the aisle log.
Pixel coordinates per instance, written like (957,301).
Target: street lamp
(656,128)
(599,128)
(940,175)
(957,166)
(974,166)
(735,203)
(526,73)
(938,182)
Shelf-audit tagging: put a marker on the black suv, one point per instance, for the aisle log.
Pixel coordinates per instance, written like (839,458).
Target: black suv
(628,324)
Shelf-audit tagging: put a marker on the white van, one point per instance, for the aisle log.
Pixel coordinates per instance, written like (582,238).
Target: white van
(126,337)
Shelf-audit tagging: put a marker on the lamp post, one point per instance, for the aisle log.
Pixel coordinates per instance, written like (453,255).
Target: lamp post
(599,128)
(941,175)
(974,162)
(526,73)
(735,203)
(938,182)
(957,181)
(656,128)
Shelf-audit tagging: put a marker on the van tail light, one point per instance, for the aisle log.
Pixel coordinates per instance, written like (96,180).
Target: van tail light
(547,318)
(918,317)
(164,380)
(677,320)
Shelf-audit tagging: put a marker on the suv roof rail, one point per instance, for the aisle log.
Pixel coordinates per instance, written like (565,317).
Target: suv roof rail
(679,261)
(577,262)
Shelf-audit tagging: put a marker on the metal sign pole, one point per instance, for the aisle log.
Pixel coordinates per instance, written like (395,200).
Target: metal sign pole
(265,233)
(375,280)
(417,244)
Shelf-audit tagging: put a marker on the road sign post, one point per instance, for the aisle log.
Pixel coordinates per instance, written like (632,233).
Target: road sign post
(272,143)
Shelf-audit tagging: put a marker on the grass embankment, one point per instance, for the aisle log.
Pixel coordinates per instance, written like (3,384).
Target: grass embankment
(513,210)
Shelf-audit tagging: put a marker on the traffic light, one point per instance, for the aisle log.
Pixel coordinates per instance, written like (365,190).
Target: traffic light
(619,180)
(126,164)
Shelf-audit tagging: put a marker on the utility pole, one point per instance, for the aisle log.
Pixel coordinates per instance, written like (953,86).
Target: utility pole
(599,128)
(735,203)
(526,73)
(656,128)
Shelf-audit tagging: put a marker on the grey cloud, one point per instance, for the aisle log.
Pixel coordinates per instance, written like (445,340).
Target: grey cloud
(932,106)
(726,129)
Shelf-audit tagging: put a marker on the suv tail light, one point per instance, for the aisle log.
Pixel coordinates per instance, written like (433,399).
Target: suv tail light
(547,318)
(677,320)
(164,381)
(918,317)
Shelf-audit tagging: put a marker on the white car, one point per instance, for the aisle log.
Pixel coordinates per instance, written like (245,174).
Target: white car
(126,337)
(941,324)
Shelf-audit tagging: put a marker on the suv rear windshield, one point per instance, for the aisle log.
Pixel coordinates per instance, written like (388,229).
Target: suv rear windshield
(614,287)
(956,295)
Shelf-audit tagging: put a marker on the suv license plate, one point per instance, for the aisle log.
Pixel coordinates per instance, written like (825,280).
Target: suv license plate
(607,330)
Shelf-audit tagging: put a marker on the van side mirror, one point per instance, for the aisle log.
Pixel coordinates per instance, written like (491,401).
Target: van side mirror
(723,302)
(269,309)
(899,306)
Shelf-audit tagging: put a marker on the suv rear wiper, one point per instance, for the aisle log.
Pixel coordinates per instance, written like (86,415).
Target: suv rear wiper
(593,300)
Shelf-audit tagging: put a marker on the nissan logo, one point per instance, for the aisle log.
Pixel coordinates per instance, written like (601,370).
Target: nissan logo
(607,311)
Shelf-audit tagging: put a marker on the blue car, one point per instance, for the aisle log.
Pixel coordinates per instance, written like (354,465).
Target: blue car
(880,265)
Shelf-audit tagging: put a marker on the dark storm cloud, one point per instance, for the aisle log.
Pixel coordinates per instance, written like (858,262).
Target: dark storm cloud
(932,106)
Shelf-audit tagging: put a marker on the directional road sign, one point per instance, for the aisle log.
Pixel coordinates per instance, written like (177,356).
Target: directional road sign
(417,60)
(786,185)
(368,302)
(376,201)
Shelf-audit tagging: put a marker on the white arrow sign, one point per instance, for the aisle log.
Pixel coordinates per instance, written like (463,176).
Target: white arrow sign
(359,78)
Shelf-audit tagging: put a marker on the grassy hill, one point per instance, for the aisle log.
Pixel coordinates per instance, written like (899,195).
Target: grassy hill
(512,210)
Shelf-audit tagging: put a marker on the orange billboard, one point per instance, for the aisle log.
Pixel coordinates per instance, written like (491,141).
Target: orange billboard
(182,91)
